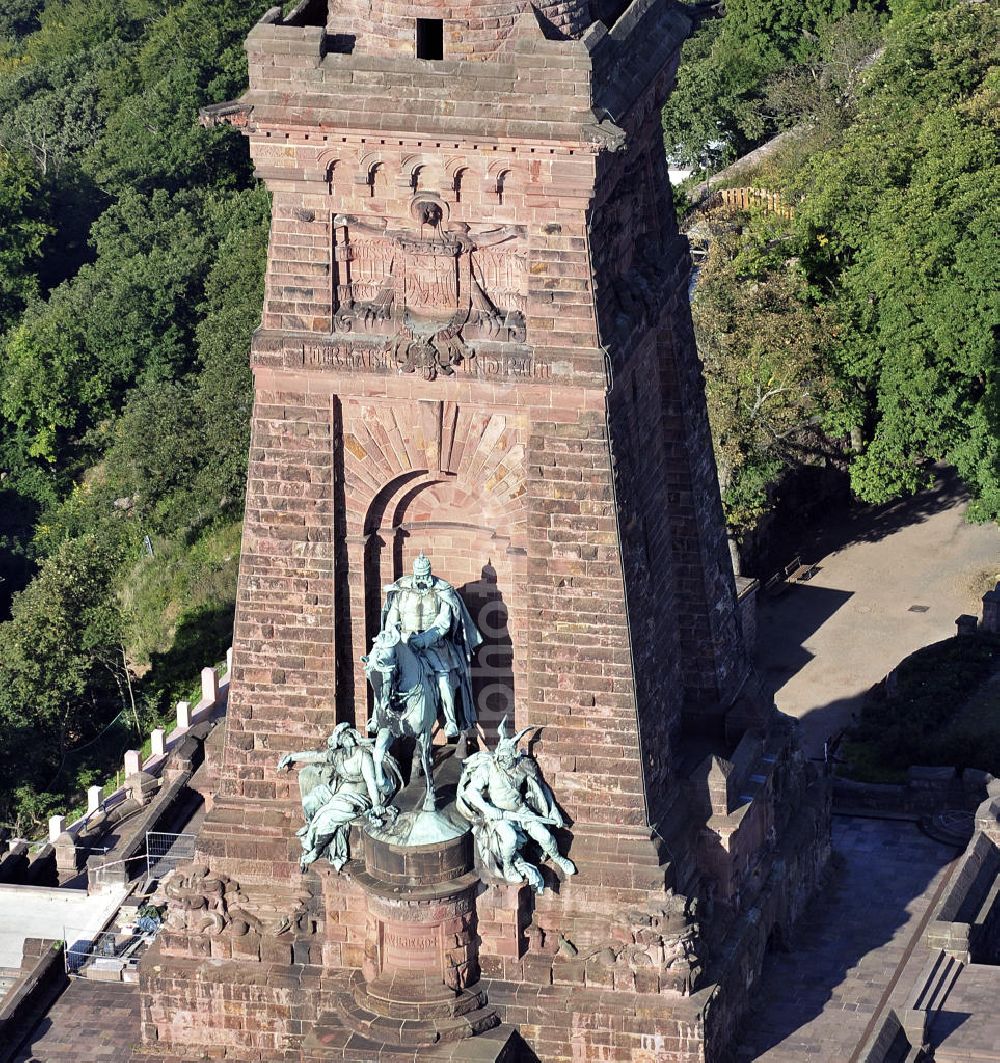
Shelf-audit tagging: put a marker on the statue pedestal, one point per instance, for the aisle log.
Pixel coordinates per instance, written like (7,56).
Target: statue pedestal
(418,829)
(419,984)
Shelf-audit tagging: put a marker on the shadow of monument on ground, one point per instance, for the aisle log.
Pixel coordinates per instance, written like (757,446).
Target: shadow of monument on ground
(833,718)
(813,531)
(786,624)
(817,999)
(870,524)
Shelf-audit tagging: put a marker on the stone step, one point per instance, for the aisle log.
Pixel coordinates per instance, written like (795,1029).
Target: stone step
(416,998)
(936,982)
(413,1033)
(500,1044)
(939,979)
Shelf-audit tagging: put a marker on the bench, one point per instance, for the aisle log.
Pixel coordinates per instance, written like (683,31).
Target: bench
(801,573)
(776,585)
(794,572)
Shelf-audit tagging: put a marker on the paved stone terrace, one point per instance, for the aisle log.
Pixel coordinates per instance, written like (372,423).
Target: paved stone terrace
(92,1022)
(816,1002)
(968,1028)
(891,580)
(39,912)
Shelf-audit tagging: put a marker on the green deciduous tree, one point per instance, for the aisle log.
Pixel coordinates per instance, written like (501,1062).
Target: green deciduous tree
(234,293)
(898,222)
(821,92)
(19,17)
(192,56)
(130,315)
(718,110)
(764,346)
(896,236)
(180,448)
(124,382)
(60,658)
(24,227)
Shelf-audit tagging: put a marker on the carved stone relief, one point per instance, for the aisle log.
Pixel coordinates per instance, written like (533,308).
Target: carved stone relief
(664,941)
(200,901)
(428,290)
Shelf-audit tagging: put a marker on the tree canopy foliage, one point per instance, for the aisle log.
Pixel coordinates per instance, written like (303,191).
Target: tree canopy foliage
(899,220)
(24,210)
(763,342)
(132,243)
(719,109)
(892,261)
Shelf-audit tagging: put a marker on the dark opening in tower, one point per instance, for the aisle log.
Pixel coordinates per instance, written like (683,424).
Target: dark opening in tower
(430,38)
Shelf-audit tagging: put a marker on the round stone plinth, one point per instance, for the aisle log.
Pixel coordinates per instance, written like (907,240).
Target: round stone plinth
(398,857)
(419,828)
(421,962)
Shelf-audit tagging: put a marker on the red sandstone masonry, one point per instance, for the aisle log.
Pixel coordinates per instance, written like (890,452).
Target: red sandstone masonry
(565,483)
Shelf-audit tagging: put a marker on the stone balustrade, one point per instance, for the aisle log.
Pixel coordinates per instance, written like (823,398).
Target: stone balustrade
(214,698)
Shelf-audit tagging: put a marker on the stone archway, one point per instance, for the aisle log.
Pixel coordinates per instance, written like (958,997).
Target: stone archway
(448,481)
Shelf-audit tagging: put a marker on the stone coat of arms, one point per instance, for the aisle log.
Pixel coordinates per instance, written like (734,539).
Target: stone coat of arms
(429,291)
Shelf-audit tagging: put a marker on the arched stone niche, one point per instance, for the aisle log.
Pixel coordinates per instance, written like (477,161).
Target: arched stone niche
(447,480)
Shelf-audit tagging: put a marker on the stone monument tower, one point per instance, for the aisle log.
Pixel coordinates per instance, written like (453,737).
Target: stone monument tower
(476,354)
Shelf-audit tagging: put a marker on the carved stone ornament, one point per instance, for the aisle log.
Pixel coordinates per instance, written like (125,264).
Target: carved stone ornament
(199,901)
(202,902)
(429,291)
(664,941)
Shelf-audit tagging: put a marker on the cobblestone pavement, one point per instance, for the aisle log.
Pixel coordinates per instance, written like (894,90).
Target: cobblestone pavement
(92,1022)
(816,1002)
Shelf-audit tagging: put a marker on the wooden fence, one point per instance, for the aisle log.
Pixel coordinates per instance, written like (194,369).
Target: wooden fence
(745,198)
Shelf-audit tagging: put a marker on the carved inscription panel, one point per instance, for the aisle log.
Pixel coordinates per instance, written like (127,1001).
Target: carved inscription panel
(484,363)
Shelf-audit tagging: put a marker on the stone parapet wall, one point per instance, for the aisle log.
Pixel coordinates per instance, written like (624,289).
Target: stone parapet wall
(254,1012)
(889,1043)
(545,95)
(966,924)
(471,31)
(927,790)
(539,86)
(41,978)
(47,862)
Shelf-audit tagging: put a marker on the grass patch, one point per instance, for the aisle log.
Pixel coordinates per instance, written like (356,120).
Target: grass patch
(181,581)
(865,764)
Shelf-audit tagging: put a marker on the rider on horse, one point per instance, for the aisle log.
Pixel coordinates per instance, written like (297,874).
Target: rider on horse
(434,623)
